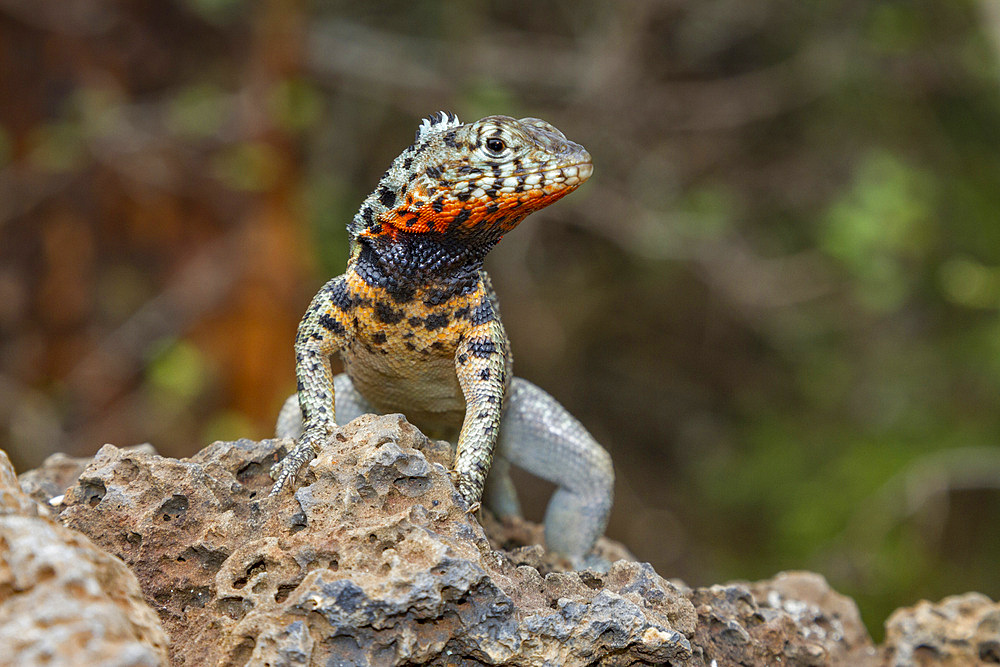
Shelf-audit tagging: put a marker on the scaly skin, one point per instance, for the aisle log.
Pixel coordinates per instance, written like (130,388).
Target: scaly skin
(416,322)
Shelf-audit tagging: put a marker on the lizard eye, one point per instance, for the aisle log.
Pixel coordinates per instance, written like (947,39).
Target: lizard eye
(495,145)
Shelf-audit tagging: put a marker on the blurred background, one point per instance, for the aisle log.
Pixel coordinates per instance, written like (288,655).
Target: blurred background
(776,303)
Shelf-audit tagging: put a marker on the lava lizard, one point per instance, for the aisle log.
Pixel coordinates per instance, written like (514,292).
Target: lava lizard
(417,325)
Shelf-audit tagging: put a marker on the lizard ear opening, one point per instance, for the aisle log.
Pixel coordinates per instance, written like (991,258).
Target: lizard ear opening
(442,120)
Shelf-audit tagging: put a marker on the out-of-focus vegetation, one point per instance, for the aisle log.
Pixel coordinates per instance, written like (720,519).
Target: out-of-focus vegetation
(777,302)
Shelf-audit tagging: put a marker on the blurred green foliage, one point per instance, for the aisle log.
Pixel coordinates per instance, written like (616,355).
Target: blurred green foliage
(880,227)
(198,111)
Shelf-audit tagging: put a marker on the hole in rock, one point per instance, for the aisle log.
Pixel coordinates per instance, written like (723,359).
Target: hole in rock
(173,508)
(93,492)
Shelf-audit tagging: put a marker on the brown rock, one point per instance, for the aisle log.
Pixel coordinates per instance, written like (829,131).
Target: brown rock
(373,560)
(63,601)
(793,619)
(959,630)
(58,473)
(522,541)
(13,501)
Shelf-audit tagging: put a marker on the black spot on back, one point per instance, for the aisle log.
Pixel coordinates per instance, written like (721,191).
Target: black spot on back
(436,320)
(331,324)
(387,314)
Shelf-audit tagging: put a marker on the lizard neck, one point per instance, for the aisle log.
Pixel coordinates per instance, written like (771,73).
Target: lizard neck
(407,265)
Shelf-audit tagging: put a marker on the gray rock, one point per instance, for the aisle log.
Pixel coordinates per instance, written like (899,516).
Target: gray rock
(371,561)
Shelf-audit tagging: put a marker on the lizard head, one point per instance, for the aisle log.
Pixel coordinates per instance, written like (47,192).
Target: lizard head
(473,181)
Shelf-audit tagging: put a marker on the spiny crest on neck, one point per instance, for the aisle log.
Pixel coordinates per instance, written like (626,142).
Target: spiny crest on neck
(436,122)
(401,172)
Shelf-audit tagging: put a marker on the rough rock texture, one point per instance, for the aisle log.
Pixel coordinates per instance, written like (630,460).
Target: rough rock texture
(959,630)
(58,473)
(64,601)
(373,560)
(793,619)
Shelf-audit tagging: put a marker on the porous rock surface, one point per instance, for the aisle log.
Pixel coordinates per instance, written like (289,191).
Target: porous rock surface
(374,560)
(63,600)
(959,630)
(792,619)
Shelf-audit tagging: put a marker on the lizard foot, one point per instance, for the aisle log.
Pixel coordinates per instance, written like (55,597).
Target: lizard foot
(592,562)
(284,471)
(464,489)
(470,496)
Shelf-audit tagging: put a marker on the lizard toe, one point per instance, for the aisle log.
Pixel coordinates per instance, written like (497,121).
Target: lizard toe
(284,471)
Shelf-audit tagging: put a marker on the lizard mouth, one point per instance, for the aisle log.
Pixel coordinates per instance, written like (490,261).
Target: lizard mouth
(545,178)
(568,176)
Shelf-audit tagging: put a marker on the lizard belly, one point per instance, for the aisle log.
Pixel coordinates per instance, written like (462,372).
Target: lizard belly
(424,388)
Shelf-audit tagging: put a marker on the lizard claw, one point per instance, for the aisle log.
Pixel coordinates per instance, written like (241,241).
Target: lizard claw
(464,491)
(284,471)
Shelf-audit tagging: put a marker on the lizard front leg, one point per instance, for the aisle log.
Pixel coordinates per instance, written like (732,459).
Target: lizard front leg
(348,406)
(321,334)
(481,363)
